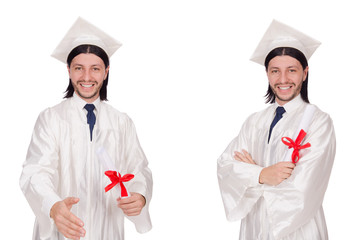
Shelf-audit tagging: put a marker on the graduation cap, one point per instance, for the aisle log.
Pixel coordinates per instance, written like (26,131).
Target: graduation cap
(83,32)
(281,35)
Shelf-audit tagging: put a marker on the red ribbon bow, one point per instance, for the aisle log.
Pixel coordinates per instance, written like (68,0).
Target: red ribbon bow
(116,178)
(296,145)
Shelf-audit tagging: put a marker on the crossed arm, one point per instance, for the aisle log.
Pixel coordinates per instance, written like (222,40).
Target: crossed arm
(272,175)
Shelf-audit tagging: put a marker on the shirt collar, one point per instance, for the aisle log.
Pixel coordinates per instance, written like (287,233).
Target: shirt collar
(80,103)
(292,105)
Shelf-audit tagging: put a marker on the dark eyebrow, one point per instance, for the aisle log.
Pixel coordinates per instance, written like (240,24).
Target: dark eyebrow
(77,64)
(292,66)
(273,67)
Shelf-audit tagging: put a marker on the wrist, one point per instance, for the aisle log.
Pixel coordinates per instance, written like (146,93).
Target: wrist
(261,179)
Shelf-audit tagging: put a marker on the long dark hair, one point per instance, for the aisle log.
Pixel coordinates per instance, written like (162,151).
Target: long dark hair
(87,48)
(298,55)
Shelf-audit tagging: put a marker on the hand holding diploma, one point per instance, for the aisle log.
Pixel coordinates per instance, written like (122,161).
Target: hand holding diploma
(114,176)
(131,204)
(272,175)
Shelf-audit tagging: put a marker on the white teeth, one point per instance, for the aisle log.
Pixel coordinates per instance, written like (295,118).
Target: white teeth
(87,86)
(284,88)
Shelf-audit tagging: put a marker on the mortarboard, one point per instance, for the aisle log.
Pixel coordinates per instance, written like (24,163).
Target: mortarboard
(281,35)
(83,32)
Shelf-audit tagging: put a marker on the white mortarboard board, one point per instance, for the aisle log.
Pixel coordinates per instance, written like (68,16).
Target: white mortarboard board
(281,35)
(83,32)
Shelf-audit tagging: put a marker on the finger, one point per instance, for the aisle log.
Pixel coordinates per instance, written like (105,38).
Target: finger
(66,217)
(248,156)
(287,170)
(74,220)
(70,201)
(69,229)
(127,205)
(70,221)
(245,152)
(287,165)
(71,233)
(132,212)
(291,165)
(240,157)
(135,201)
(237,156)
(285,176)
(131,209)
(128,199)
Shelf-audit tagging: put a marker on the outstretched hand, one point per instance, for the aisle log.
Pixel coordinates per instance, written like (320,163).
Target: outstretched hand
(66,222)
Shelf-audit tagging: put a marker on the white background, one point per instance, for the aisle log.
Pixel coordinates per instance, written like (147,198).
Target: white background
(184,77)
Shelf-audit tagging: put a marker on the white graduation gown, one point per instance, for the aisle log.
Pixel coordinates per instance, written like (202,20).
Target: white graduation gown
(61,162)
(291,210)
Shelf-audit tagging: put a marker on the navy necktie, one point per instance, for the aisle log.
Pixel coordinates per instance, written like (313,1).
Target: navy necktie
(91,119)
(279,112)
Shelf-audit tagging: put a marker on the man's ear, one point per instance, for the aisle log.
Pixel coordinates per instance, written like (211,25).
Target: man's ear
(106,72)
(306,70)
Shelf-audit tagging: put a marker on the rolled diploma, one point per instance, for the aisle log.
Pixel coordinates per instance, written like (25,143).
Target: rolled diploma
(109,166)
(304,125)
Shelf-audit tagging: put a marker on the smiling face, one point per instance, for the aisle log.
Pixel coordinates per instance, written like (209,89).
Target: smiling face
(87,73)
(286,76)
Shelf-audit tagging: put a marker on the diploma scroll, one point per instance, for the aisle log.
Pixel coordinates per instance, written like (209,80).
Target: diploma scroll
(303,126)
(117,180)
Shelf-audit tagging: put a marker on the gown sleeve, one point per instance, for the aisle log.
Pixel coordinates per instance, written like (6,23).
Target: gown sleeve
(238,181)
(142,182)
(296,200)
(39,178)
